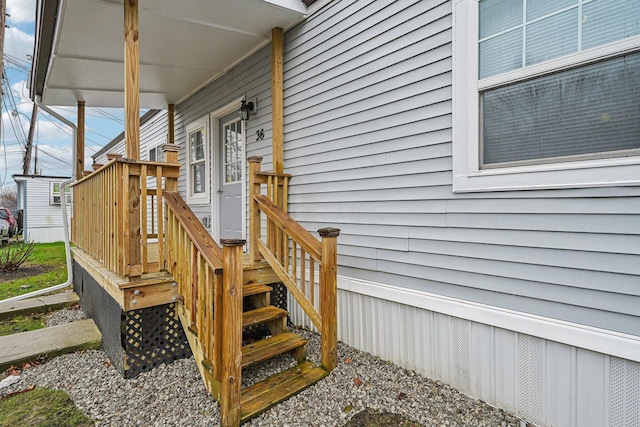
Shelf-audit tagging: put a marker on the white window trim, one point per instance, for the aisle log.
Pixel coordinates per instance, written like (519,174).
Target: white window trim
(467,175)
(53,193)
(199,198)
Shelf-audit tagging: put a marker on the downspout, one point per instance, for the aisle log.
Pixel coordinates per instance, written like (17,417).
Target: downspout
(63,203)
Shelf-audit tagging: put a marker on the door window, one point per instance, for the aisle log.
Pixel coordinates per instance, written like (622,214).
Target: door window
(232,152)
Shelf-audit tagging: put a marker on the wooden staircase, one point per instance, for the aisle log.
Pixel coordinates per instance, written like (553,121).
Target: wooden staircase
(223,293)
(122,229)
(260,396)
(264,394)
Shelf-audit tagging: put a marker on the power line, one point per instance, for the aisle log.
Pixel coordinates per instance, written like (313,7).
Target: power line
(13,125)
(54,157)
(67,131)
(17,61)
(108,115)
(28,18)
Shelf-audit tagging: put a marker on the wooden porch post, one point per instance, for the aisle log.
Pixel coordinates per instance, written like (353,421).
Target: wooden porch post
(232,333)
(277,99)
(329,297)
(254,214)
(132,136)
(131,80)
(171,149)
(80,141)
(171,108)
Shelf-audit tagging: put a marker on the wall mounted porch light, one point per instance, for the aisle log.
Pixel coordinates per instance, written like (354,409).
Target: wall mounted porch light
(245,109)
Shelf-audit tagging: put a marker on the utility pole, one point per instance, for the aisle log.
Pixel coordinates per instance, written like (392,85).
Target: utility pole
(3,11)
(27,153)
(35,163)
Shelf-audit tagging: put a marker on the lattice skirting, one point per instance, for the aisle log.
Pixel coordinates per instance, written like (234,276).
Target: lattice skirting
(152,336)
(135,341)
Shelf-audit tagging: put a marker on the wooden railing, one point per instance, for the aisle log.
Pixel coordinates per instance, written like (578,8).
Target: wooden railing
(210,284)
(116,215)
(295,254)
(195,261)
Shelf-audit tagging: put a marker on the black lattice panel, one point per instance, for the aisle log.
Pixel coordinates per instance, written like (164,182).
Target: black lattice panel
(105,311)
(152,336)
(279,295)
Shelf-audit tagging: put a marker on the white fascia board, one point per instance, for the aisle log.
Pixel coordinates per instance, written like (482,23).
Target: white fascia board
(292,5)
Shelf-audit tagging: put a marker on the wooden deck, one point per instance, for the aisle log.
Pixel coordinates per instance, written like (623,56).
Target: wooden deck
(152,289)
(147,248)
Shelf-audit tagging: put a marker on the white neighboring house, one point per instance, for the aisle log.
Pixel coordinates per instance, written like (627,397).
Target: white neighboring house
(40,198)
(4,231)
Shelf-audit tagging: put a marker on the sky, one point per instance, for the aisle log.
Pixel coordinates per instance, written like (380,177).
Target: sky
(52,138)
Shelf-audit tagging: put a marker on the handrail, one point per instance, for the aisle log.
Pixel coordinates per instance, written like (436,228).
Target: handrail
(201,238)
(304,239)
(195,261)
(294,254)
(210,284)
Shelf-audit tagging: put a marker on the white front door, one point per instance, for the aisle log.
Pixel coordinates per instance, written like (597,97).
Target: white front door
(230,176)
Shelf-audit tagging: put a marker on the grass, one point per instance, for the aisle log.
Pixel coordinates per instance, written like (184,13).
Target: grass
(49,255)
(21,324)
(41,407)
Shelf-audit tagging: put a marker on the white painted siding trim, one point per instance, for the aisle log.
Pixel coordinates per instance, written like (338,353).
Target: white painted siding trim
(595,339)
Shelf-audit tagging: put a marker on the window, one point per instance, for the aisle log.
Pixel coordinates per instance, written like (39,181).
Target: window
(233,152)
(54,194)
(555,98)
(198,172)
(156,154)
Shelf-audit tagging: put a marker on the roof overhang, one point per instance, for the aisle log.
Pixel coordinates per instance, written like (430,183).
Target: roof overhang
(183,45)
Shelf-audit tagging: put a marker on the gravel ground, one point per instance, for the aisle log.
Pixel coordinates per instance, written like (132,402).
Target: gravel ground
(65,315)
(174,395)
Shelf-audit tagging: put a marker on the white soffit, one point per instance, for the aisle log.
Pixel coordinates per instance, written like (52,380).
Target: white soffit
(183,45)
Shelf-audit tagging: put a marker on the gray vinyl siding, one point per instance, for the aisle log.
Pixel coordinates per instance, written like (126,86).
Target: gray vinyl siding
(153,132)
(252,78)
(117,147)
(368,136)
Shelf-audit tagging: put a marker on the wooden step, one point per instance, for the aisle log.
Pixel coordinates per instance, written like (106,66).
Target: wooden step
(255,289)
(262,315)
(42,304)
(271,347)
(263,395)
(16,349)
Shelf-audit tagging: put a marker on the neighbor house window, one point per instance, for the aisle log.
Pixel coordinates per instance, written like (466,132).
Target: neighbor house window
(198,175)
(156,154)
(54,194)
(546,93)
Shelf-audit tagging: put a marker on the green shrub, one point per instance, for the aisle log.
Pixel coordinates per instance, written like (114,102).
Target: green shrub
(13,256)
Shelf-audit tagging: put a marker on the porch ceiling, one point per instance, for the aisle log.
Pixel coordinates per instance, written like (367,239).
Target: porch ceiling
(183,45)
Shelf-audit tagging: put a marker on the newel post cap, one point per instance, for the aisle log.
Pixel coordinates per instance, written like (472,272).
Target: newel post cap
(329,232)
(254,159)
(170,148)
(233,242)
